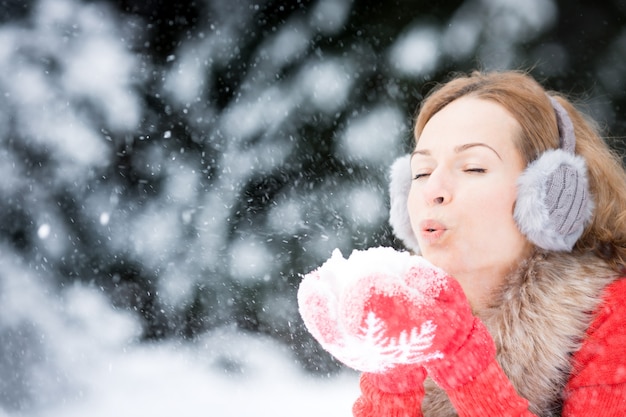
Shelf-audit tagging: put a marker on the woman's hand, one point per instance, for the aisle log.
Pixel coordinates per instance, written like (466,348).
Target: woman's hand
(387,313)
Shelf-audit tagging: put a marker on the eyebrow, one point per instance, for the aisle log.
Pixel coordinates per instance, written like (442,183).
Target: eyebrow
(458,149)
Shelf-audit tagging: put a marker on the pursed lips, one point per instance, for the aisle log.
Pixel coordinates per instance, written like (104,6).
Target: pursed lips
(432,230)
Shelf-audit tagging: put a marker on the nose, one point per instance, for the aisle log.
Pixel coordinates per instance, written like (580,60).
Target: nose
(437,189)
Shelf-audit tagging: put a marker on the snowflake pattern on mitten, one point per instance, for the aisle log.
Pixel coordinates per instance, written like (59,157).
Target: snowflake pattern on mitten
(373,351)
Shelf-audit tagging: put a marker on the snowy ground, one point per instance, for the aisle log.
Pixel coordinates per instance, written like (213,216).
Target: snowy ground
(169,380)
(72,354)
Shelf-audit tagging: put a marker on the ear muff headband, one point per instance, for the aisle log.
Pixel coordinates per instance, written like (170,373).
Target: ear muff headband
(553,204)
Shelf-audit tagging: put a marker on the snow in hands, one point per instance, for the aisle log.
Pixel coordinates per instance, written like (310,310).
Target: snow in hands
(356,307)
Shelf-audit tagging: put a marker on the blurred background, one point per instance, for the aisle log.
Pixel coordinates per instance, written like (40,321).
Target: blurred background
(169,169)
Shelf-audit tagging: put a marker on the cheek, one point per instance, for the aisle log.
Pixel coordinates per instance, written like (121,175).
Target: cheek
(499,202)
(494,206)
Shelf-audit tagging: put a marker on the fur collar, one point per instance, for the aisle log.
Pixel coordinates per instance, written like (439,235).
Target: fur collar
(538,320)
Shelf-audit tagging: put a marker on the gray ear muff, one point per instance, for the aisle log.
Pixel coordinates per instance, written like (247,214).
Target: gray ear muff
(399,186)
(554,204)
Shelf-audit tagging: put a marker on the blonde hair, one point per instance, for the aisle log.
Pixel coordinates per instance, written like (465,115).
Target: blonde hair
(526,100)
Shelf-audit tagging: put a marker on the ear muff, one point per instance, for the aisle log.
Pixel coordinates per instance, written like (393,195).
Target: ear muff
(399,187)
(553,204)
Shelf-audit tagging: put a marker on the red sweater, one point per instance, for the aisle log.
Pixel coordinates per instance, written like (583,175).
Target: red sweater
(596,388)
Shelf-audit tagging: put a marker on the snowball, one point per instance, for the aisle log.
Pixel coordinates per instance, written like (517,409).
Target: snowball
(339,273)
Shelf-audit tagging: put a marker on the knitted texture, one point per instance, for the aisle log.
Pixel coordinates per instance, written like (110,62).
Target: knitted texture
(567,136)
(470,360)
(599,377)
(565,199)
(491,394)
(375,402)
(400,379)
(597,387)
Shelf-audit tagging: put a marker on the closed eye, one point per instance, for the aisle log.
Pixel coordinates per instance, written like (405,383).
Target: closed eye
(476,170)
(418,176)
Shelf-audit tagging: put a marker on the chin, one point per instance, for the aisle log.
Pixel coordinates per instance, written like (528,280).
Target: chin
(441,259)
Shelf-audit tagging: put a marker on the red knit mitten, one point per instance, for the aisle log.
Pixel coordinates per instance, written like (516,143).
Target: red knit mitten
(471,357)
(380,309)
(395,393)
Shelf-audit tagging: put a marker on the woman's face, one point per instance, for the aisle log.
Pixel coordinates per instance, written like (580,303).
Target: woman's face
(465,167)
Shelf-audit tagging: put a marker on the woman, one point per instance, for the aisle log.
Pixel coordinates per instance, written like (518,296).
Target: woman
(512,192)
